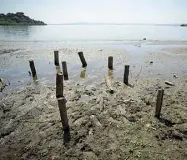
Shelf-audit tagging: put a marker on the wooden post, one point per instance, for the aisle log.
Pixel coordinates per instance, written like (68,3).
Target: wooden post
(63,113)
(33,70)
(159,102)
(126,75)
(65,72)
(81,56)
(110,62)
(59,85)
(56,58)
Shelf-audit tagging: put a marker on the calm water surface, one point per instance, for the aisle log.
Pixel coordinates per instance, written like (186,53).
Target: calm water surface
(99,33)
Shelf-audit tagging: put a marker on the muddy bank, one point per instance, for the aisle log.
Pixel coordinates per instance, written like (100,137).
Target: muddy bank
(180,50)
(103,125)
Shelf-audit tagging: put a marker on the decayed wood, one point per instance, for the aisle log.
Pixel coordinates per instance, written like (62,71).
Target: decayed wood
(109,84)
(63,113)
(126,75)
(159,102)
(65,71)
(56,58)
(110,62)
(33,70)
(59,85)
(81,56)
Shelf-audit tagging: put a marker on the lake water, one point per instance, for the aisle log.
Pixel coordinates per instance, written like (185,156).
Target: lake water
(22,40)
(92,33)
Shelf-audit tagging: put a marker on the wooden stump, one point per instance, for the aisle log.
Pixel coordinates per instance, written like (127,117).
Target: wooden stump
(126,75)
(65,72)
(159,102)
(56,58)
(63,113)
(110,62)
(33,70)
(59,85)
(81,56)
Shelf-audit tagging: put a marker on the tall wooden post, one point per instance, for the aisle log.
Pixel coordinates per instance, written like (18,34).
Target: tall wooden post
(65,71)
(33,70)
(126,75)
(81,56)
(63,113)
(56,58)
(110,62)
(59,85)
(159,102)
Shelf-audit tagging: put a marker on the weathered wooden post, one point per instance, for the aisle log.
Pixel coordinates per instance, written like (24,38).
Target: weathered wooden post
(33,70)
(81,56)
(126,75)
(56,58)
(110,62)
(62,107)
(59,85)
(65,71)
(63,113)
(159,102)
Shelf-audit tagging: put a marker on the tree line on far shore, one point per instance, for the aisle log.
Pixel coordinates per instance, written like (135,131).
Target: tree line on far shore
(18,19)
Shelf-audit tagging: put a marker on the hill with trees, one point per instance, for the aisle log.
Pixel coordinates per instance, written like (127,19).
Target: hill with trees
(18,19)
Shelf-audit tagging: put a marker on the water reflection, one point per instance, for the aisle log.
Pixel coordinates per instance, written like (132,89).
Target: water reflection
(83,73)
(35,79)
(110,74)
(11,32)
(58,69)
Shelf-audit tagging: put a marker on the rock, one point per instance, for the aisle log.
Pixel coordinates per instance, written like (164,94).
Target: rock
(169,83)
(175,76)
(144,39)
(2,84)
(151,62)
(95,121)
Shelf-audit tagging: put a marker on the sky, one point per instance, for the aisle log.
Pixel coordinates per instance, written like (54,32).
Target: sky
(105,11)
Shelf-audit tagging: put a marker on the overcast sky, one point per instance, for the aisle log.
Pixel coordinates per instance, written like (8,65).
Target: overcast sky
(114,11)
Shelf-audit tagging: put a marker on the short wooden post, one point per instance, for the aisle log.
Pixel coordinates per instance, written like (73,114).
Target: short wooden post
(65,72)
(56,58)
(110,62)
(59,85)
(81,56)
(33,70)
(63,113)
(126,75)
(159,102)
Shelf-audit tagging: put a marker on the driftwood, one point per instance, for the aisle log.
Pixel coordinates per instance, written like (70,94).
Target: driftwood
(109,84)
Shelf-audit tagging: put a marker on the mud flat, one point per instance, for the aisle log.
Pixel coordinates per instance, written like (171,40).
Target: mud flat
(102,125)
